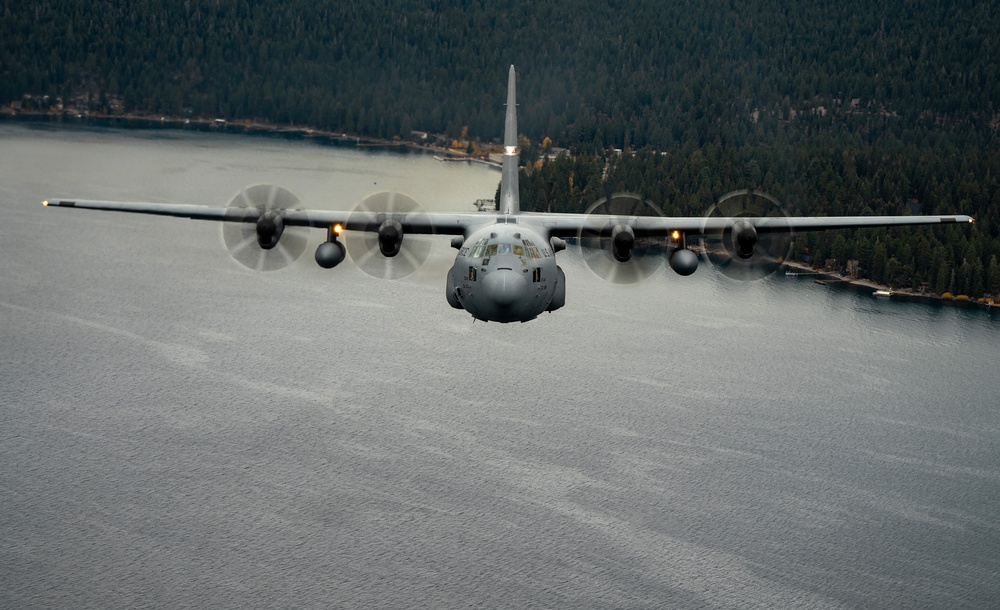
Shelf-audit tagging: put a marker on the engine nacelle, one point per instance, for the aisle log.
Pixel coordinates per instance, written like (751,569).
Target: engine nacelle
(390,238)
(744,238)
(622,241)
(330,254)
(683,261)
(269,229)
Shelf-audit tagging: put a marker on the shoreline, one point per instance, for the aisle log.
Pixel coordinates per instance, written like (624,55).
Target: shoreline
(242,127)
(827,278)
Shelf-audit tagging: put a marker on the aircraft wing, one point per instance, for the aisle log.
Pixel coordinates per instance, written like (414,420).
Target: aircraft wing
(557,225)
(442,223)
(570,225)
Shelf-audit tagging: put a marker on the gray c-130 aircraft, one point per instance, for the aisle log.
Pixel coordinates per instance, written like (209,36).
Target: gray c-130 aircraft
(506,270)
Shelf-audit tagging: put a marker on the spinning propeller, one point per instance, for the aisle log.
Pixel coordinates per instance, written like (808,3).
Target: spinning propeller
(612,250)
(385,253)
(267,244)
(745,251)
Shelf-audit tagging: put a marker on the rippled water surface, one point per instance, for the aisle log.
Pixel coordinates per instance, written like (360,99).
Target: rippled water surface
(176,430)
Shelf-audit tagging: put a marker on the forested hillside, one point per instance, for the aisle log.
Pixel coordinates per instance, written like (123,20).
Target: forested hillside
(851,107)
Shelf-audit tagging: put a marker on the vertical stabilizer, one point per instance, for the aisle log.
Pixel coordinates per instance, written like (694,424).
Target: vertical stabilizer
(509,201)
(510,122)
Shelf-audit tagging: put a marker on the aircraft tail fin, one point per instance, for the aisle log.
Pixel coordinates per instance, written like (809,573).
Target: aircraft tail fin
(510,121)
(509,200)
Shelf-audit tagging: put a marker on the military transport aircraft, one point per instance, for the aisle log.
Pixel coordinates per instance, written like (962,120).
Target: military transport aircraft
(506,270)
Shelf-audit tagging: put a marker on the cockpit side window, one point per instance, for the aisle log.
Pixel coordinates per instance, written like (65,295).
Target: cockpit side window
(479,249)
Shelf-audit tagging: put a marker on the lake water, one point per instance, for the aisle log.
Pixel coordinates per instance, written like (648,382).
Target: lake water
(176,430)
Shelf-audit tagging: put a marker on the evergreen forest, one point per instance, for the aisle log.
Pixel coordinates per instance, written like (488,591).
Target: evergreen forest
(833,108)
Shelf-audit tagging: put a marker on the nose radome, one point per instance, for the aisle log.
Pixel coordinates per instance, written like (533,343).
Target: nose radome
(505,287)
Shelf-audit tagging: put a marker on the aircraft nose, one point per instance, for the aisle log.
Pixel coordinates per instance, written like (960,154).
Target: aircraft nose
(505,287)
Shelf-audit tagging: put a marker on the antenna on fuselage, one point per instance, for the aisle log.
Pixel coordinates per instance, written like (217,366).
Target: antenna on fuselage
(509,199)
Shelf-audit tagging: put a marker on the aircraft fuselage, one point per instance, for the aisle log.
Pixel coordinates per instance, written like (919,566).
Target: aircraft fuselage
(506,272)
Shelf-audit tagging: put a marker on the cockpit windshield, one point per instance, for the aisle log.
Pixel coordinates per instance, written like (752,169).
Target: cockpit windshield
(486,248)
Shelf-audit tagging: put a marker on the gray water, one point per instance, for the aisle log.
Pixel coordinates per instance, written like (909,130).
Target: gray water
(178,431)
